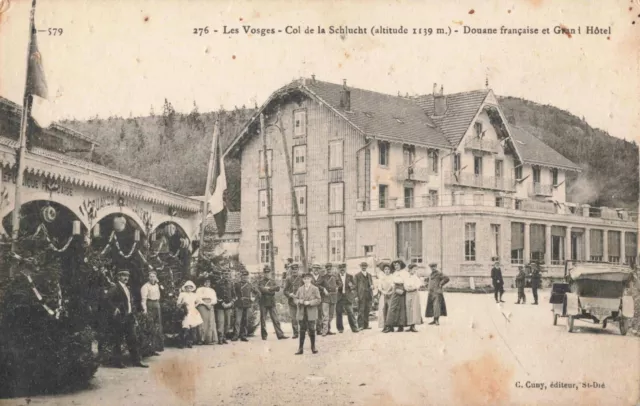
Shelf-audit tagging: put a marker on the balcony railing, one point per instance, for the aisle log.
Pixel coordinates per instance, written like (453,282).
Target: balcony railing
(481,144)
(541,189)
(479,181)
(417,174)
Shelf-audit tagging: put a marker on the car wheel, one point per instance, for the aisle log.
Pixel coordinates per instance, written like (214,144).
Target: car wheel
(604,324)
(555,319)
(623,326)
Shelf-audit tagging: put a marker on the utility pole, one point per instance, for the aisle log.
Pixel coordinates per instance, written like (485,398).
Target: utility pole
(263,132)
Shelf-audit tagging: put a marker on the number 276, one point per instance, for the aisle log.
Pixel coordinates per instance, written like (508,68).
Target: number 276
(201,31)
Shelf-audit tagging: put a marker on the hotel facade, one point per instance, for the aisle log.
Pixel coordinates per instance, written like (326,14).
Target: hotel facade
(435,178)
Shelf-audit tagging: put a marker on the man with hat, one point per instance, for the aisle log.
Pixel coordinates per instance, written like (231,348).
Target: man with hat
(150,294)
(123,323)
(521,279)
(346,293)
(436,306)
(329,286)
(307,298)
(291,285)
(536,280)
(224,306)
(497,281)
(268,289)
(364,289)
(244,292)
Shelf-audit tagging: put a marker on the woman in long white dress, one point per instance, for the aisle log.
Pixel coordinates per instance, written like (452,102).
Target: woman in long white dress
(192,318)
(412,285)
(385,286)
(207,330)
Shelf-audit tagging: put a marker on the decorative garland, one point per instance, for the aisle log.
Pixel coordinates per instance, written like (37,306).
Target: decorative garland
(114,237)
(43,228)
(53,313)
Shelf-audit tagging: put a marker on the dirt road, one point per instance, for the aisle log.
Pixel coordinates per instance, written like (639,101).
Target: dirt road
(482,354)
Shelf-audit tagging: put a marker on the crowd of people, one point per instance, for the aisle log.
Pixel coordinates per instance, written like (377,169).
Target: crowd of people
(219,307)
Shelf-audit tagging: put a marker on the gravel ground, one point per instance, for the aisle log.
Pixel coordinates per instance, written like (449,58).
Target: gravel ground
(477,356)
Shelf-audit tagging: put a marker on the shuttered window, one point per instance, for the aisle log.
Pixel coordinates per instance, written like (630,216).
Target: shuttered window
(336,197)
(537,241)
(336,158)
(613,242)
(630,247)
(470,241)
(517,243)
(295,245)
(300,123)
(409,239)
(558,235)
(596,242)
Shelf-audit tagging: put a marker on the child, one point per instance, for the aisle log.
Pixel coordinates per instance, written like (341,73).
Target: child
(192,319)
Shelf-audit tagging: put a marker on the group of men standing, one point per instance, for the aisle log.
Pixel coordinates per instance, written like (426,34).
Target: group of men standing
(521,280)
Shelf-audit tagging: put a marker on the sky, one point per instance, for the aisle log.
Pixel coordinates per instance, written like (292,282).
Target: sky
(122,57)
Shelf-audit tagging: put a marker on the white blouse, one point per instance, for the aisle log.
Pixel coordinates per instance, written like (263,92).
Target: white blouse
(207,295)
(412,282)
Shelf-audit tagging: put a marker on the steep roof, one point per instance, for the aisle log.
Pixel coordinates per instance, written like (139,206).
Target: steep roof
(380,115)
(535,151)
(232,227)
(461,109)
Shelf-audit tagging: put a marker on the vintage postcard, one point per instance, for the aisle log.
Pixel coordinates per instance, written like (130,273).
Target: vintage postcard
(319,202)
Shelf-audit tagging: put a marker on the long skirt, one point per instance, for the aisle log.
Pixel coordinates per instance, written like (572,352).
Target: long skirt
(397,313)
(207,333)
(414,312)
(383,308)
(436,305)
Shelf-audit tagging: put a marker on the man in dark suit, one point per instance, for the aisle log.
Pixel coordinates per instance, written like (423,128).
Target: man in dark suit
(364,289)
(329,286)
(346,294)
(123,323)
(497,281)
(268,289)
(224,306)
(291,286)
(244,293)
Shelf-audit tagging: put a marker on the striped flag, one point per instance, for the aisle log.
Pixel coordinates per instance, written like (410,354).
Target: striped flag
(218,200)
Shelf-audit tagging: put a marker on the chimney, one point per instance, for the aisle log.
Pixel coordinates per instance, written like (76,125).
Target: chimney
(439,101)
(345,96)
(435,87)
(313,78)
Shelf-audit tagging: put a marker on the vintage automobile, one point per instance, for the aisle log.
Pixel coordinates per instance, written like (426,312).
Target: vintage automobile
(593,291)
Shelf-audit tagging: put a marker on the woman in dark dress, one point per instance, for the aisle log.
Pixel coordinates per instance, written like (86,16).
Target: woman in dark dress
(436,306)
(397,310)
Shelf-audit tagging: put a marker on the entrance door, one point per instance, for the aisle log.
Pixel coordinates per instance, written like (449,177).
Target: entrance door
(409,241)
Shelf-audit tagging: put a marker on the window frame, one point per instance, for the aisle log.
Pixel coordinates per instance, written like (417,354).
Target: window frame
(477,158)
(266,251)
(536,169)
(295,169)
(386,197)
(330,242)
(412,197)
(499,164)
(457,162)
(386,155)
(518,171)
(330,197)
(470,256)
(303,133)
(496,231)
(554,176)
(477,127)
(302,211)
(341,144)
(261,164)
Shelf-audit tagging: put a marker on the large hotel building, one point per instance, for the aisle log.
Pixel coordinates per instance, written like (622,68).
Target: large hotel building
(438,177)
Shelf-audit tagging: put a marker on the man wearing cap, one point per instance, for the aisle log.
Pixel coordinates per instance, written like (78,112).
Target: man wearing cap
(364,289)
(268,289)
(122,321)
(520,283)
(329,286)
(224,306)
(291,286)
(244,292)
(307,299)
(346,293)
(150,301)
(436,306)
(497,281)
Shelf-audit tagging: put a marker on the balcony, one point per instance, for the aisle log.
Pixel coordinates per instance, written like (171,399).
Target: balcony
(481,182)
(541,189)
(481,144)
(417,174)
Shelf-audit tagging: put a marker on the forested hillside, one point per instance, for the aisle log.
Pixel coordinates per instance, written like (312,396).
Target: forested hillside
(171,149)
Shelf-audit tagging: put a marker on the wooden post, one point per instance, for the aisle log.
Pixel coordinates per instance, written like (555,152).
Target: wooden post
(210,176)
(296,212)
(263,132)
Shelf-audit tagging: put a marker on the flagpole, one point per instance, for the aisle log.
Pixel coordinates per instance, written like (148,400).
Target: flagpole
(26,107)
(263,131)
(210,177)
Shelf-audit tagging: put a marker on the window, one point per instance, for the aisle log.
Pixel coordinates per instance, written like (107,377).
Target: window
(301,197)
(382,196)
(456,162)
(518,172)
(478,128)
(300,159)
(336,244)
(517,243)
(630,248)
(499,169)
(596,242)
(336,159)
(409,241)
(383,153)
(369,250)
(408,197)
(495,240)
(261,160)
(554,176)
(613,240)
(499,201)
(336,197)
(536,174)
(262,203)
(295,244)
(470,241)
(408,154)
(537,242)
(265,247)
(433,160)
(477,165)
(433,198)
(300,123)
(558,237)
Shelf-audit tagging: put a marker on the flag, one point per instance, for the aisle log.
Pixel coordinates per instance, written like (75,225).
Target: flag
(218,200)
(37,84)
